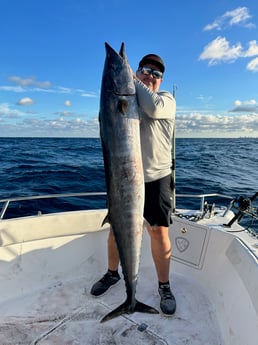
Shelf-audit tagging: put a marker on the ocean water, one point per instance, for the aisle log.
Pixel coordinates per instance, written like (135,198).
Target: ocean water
(39,166)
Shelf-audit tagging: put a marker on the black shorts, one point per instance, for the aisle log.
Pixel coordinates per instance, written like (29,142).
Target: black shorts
(158,201)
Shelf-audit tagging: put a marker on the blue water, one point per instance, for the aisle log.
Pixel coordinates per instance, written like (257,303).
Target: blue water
(33,166)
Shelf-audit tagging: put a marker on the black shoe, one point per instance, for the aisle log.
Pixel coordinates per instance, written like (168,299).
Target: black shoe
(104,284)
(167,300)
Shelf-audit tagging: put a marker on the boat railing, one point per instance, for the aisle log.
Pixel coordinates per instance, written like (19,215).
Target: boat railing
(6,202)
(203,197)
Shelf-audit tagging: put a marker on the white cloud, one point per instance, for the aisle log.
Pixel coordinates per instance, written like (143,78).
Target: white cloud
(216,125)
(60,127)
(64,113)
(205,99)
(29,81)
(67,103)
(249,106)
(62,89)
(252,50)
(253,65)
(249,102)
(25,101)
(220,50)
(237,103)
(12,88)
(4,108)
(7,112)
(88,94)
(238,16)
(30,84)
(193,124)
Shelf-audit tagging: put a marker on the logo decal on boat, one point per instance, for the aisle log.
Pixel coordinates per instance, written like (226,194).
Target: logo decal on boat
(182,244)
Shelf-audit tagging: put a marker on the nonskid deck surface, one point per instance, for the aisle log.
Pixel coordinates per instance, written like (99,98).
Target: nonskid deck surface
(65,313)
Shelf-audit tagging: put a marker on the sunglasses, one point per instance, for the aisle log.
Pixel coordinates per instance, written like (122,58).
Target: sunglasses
(147,71)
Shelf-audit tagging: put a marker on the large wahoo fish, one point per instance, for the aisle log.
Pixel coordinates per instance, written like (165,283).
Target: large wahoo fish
(120,135)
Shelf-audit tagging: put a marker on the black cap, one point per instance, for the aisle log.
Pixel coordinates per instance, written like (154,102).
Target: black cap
(153,59)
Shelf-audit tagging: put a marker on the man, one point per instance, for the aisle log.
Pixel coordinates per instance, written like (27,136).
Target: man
(157,109)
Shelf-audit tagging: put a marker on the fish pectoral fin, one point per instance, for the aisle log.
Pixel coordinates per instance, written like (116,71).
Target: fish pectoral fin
(122,106)
(106,220)
(126,308)
(146,224)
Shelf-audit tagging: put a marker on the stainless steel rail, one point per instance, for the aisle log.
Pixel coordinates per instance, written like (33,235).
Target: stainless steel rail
(6,202)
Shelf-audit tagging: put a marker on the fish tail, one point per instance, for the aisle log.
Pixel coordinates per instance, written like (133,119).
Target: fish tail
(144,308)
(126,308)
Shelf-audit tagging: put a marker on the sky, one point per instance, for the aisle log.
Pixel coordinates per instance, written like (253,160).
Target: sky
(52,56)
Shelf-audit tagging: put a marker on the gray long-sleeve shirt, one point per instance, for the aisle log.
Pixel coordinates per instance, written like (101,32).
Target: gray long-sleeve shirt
(157,122)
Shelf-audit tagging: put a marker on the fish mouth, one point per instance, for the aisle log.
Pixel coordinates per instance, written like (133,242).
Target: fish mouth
(121,51)
(123,94)
(119,78)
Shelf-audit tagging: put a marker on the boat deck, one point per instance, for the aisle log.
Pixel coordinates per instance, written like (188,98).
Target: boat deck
(48,264)
(65,313)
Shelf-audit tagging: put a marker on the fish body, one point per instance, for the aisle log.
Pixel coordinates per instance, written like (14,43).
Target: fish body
(120,136)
